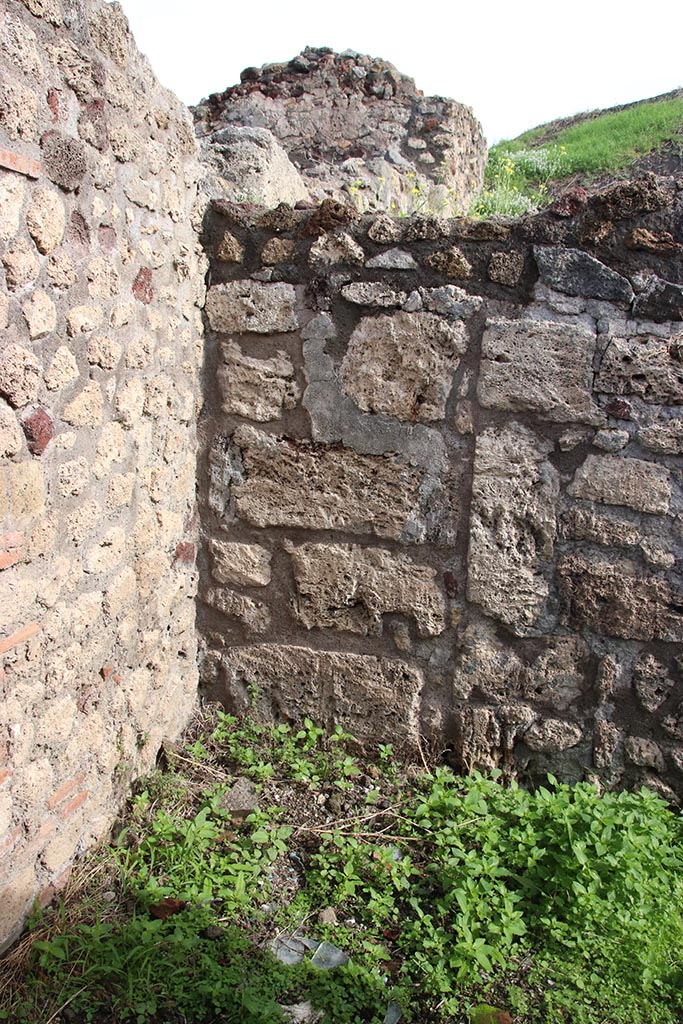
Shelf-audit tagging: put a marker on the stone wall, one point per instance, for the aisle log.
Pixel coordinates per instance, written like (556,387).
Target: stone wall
(343,126)
(101,281)
(441,479)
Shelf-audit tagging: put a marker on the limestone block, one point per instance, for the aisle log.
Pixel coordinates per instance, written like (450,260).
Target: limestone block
(50,10)
(82,521)
(4,311)
(250,306)
(254,167)
(20,375)
(557,677)
(11,437)
(348,587)
(402,364)
(392,259)
(649,367)
(46,219)
(246,565)
(539,366)
(110,32)
(104,351)
(644,752)
(616,599)
(63,370)
(18,109)
(40,314)
(86,408)
(552,735)
(485,663)
(314,487)
(27,491)
(576,273)
(665,437)
(108,553)
(255,615)
(643,486)
(257,388)
(652,682)
(12,194)
(373,293)
(83,319)
(591,525)
(512,525)
(103,278)
(130,401)
(376,700)
(22,265)
(19,46)
(385,230)
(335,247)
(61,269)
(73,477)
(111,448)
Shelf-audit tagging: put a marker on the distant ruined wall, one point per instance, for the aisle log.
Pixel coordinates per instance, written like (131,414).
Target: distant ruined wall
(441,479)
(354,129)
(101,281)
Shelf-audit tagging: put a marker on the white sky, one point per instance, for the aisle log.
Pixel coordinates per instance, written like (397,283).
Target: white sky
(516,63)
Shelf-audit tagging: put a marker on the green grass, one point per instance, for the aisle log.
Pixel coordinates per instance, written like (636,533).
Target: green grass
(451,894)
(519,172)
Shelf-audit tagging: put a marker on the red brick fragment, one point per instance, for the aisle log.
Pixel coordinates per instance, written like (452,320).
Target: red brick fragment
(20,637)
(19,163)
(12,539)
(65,790)
(72,806)
(106,236)
(184,553)
(9,558)
(39,430)
(5,774)
(142,286)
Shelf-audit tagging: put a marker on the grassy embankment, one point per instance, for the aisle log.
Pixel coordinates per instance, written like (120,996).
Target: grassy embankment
(520,171)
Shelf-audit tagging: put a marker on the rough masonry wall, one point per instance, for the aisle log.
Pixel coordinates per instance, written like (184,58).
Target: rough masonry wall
(100,284)
(354,129)
(441,483)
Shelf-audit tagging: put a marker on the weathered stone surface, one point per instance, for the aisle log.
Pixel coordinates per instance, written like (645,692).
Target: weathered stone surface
(643,486)
(484,663)
(22,265)
(40,314)
(335,247)
(665,437)
(652,682)
(320,488)
(392,259)
(257,388)
(384,230)
(403,364)
(63,369)
(644,752)
(506,268)
(229,250)
(659,301)
(348,587)
(278,250)
(616,599)
(253,167)
(451,262)
(20,375)
(255,615)
(477,741)
(85,410)
(512,525)
(576,273)
(589,524)
(372,293)
(649,367)
(12,195)
(249,306)
(46,219)
(611,440)
(539,366)
(246,565)
(552,735)
(376,700)
(64,159)
(11,439)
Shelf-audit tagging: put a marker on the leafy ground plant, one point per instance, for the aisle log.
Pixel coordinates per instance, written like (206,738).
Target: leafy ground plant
(406,893)
(520,173)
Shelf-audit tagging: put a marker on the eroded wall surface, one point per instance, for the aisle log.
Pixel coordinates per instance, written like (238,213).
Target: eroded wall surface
(441,480)
(100,283)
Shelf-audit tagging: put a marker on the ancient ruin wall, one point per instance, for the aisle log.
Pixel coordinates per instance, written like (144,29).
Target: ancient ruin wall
(354,129)
(100,287)
(441,489)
